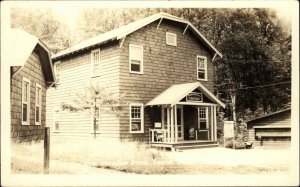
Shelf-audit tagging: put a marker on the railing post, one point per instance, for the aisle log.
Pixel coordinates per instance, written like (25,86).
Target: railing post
(46,149)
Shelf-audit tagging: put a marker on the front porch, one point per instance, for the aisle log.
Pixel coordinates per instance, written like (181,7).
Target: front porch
(188,117)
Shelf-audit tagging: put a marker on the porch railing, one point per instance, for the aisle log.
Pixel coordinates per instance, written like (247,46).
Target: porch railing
(158,135)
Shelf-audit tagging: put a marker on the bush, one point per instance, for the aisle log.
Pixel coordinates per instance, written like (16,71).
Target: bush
(231,143)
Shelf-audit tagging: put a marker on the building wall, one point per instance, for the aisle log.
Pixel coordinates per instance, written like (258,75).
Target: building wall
(282,119)
(75,76)
(164,65)
(31,70)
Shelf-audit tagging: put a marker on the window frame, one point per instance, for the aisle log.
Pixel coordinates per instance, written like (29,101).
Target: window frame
(141,105)
(38,105)
(55,119)
(171,34)
(205,67)
(92,121)
(28,102)
(141,60)
(206,118)
(57,72)
(92,62)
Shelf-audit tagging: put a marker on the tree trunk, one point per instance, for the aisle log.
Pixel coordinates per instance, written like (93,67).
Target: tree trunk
(233,99)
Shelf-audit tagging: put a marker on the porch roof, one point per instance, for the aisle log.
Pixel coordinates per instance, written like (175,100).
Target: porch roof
(175,93)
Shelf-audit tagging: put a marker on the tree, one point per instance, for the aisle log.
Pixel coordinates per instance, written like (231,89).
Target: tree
(43,24)
(92,98)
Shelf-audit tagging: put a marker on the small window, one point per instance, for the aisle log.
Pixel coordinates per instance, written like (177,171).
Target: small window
(201,68)
(97,127)
(135,59)
(25,101)
(56,119)
(38,104)
(202,118)
(57,69)
(95,62)
(136,118)
(171,39)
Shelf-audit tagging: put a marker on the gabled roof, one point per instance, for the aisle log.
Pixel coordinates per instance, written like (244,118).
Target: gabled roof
(121,32)
(18,47)
(270,114)
(175,93)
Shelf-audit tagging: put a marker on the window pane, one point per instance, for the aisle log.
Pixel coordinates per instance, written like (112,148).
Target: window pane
(136,125)
(135,65)
(201,74)
(57,125)
(136,53)
(24,118)
(202,125)
(25,91)
(37,113)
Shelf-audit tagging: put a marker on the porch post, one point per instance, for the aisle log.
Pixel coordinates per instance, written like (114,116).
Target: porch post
(172,124)
(215,122)
(212,127)
(175,124)
(168,125)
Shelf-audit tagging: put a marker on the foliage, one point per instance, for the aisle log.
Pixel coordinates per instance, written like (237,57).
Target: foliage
(43,24)
(255,43)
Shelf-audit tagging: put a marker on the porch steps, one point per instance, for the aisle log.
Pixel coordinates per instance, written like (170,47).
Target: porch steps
(188,147)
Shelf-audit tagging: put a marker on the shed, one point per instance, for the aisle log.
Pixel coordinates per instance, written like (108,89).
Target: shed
(271,129)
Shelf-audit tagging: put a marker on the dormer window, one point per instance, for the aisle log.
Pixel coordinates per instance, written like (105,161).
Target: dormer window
(136,59)
(171,39)
(95,62)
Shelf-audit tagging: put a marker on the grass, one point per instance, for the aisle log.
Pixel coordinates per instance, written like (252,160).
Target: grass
(114,157)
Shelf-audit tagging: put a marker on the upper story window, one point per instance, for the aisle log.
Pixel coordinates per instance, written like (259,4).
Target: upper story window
(171,39)
(57,68)
(95,62)
(56,120)
(38,104)
(136,118)
(201,67)
(135,58)
(25,101)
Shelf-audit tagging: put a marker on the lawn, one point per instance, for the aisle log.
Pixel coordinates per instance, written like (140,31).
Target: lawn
(81,157)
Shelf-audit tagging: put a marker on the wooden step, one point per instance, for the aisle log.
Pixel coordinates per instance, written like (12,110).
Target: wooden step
(187,147)
(195,143)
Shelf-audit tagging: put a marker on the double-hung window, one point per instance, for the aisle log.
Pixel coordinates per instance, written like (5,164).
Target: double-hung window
(25,101)
(136,118)
(95,116)
(135,58)
(202,118)
(95,62)
(201,67)
(56,120)
(171,39)
(38,104)
(57,68)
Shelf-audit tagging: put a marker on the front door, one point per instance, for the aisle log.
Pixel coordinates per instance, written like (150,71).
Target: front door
(179,114)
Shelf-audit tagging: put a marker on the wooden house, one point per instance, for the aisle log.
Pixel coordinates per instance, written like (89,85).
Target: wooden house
(271,129)
(31,74)
(162,63)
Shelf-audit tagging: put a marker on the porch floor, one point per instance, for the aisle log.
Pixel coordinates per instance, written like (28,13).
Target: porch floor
(185,144)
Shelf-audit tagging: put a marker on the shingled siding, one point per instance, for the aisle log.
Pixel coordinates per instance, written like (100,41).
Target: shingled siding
(164,65)
(31,70)
(75,75)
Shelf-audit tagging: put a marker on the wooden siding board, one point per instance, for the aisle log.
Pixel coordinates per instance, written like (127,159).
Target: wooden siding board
(75,75)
